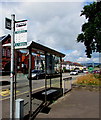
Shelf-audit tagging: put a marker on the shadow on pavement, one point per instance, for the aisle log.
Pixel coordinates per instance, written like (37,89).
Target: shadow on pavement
(3,83)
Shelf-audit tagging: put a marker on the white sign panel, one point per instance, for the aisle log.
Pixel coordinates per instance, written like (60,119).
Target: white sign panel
(21,33)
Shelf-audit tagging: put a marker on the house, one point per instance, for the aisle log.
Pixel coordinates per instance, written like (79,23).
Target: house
(6,53)
(20,56)
(68,66)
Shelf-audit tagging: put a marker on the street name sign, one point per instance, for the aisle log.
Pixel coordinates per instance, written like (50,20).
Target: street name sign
(20,33)
(8,23)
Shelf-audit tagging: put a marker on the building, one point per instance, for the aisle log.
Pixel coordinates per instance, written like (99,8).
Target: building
(21,57)
(6,53)
(68,66)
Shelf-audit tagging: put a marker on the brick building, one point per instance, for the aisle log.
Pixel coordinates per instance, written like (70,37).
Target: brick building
(21,57)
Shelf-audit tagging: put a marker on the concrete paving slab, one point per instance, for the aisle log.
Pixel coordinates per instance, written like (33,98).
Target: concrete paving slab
(78,103)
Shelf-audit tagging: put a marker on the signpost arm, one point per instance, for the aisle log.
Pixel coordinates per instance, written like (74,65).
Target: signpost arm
(12,70)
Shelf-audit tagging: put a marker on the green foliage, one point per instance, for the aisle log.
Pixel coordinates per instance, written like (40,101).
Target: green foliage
(64,69)
(98,76)
(91,30)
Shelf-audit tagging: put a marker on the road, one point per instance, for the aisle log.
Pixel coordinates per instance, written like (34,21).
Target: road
(22,91)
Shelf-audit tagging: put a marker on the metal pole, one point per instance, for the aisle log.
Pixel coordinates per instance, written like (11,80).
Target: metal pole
(50,81)
(12,70)
(15,72)
(60,72)
(30,82)
(45,77)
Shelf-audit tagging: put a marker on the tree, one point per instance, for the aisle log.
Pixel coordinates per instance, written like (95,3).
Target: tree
(91,30)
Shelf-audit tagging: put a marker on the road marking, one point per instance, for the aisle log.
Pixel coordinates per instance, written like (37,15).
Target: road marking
(6,92)
(21,93)
(27,92)
(24,92)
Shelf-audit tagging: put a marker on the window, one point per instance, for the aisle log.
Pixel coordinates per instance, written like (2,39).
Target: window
(8,52)
(3,52)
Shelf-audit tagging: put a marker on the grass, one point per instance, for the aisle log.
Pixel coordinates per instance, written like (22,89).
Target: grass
(89,79)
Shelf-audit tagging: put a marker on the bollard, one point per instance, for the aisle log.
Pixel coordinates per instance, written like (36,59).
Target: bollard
(19,109)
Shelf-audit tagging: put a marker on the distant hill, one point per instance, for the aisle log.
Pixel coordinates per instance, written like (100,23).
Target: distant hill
(88,64)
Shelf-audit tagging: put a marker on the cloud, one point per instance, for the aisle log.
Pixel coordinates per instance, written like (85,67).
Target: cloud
(46,0)
(54,24)
(80,57)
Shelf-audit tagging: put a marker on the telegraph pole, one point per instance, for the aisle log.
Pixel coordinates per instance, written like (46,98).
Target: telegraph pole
(12,69)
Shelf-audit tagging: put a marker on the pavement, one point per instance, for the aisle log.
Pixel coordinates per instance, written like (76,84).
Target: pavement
(78,103)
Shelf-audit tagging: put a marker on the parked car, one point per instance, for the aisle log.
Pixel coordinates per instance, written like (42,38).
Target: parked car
(85,71)
(96,71)
(78,70)
(3,73)
(36,74)
(73,72)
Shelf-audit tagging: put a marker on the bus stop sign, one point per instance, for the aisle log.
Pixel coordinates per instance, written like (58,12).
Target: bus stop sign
(8,23)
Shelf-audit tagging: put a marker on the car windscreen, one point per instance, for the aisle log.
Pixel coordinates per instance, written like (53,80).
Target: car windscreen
(35,71)
(74,71)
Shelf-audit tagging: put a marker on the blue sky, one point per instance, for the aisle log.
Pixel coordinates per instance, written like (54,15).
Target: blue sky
(55,24)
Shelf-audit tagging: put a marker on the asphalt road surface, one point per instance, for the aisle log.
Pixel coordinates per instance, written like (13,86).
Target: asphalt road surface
(22,91)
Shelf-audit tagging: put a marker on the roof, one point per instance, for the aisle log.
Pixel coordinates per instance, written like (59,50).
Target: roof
(78,64)
(4,37)
(39,49)
(45,49)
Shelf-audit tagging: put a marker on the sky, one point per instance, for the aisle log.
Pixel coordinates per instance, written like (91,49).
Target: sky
(53,23)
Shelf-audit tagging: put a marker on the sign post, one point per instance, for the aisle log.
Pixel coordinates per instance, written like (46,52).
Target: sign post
(12,69)
(18,40)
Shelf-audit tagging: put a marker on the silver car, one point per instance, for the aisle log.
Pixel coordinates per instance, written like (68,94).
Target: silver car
(73,72)
(36,74)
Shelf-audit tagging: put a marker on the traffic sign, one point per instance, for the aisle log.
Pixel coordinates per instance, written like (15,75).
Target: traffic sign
(8,23)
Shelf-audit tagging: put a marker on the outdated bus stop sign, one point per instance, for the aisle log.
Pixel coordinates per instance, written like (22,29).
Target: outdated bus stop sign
(20,33)
(8,23)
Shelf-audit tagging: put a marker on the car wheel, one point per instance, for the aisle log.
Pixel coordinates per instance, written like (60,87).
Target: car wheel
(37,77)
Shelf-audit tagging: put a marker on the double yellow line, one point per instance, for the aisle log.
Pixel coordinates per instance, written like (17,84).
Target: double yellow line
(25,92)
(8,92)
